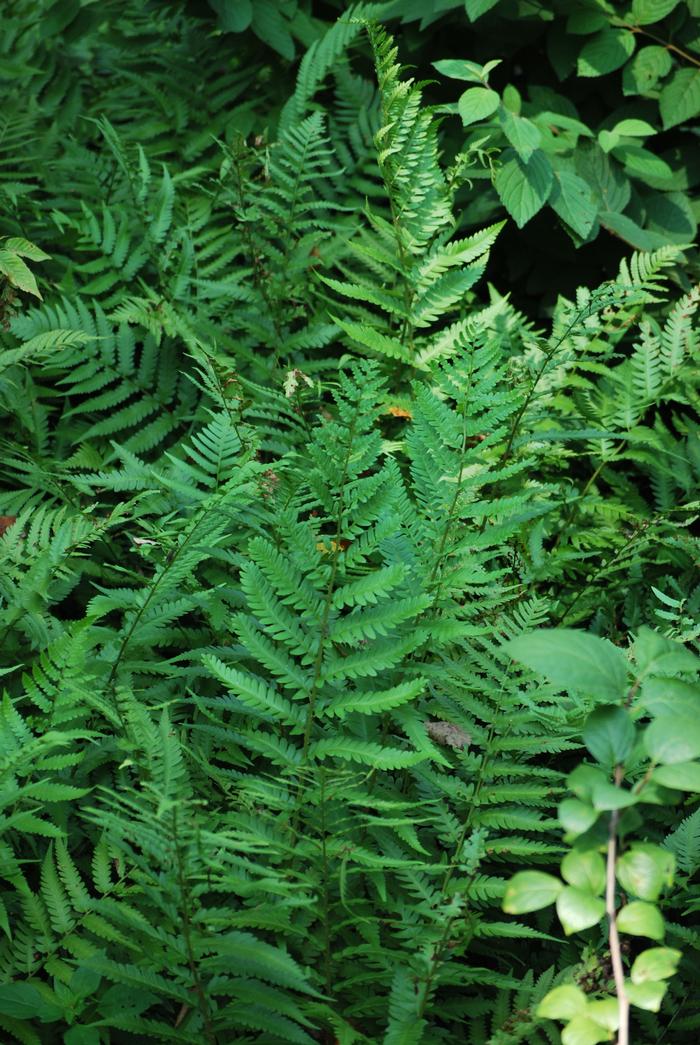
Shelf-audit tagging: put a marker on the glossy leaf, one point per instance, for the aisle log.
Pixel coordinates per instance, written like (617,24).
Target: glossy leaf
(641,919)
(234,15)
(585,779)
(572,199)
(574,660)
(680,99)
(670,697)
(562,1003)
(476,8)
(656,963)
(578,909)
(646,12)
(682,776)
(523,187)
(461,69)
(584,869)
(584,1031)
(605,52)
(645,870)
(650,65)
(671,739)
(609,734)
(604,1011)
(530,891)
(647,995)
(606,797)
(576,817)
(477,103)
(522,134)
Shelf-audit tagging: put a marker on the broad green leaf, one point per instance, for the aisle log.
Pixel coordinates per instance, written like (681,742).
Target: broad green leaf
(671,214)
(583,23)
(23,1001)
(584,780)
(270,26)
(606,797)
(609,734)
(522,134)
(670,697)
(17,273)
(657,654)
(657,963)
(574,660)
(578,909)
(82,1036)
(641,162)
(576,817)
(530,891)
(650,65)
(629,231)
(671,739)
(677,660)
(234,15)
(609,184)
(512,99)
(562,1003)
(584,869)
(477,103)
(461,69)
(680,99)
(645,869)
(683,776)
(559,120)
(476,8)
(641,919)
(648,995)
(608,140)
(654,793)
(583,1031)
(633,128)
(605,1012)
(524,187)
(84,981)
(605,52)
(645,12)
(19,1000)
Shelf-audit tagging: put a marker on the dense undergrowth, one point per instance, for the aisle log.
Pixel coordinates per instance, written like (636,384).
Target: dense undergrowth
(304,455)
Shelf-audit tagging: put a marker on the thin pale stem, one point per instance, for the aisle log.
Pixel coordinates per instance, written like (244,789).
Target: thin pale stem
(623,1005)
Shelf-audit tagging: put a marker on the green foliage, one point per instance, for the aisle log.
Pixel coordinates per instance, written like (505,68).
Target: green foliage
(599,170)
(643,869)
(318,558)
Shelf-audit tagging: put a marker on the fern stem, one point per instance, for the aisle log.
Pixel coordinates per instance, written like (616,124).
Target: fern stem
(592,577)
(173,556)
(583,313)
(452,508)
(254,257)
(439,951)
(623,1005)
(573,509)
(327,936)
(209,1034)
(330,587)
